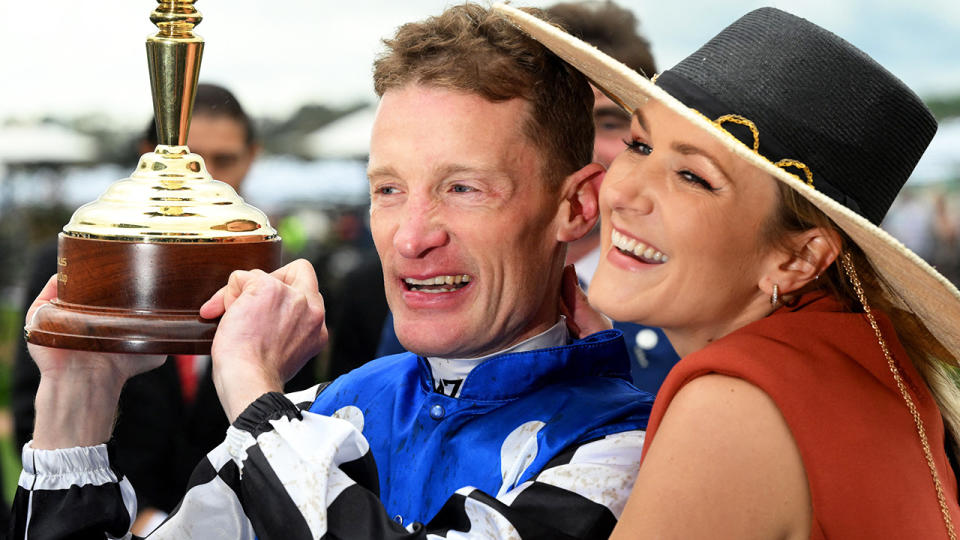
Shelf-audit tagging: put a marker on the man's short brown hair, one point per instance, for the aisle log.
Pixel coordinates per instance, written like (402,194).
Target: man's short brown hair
(471,49)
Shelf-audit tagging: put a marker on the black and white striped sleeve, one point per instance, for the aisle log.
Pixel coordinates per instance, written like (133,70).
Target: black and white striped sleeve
(287,473)
(579,494)
(72,493)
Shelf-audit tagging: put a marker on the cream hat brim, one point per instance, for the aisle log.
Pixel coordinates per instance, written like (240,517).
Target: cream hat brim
(914,285)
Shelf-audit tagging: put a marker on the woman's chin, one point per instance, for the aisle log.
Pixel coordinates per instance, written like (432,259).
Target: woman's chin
(619,302)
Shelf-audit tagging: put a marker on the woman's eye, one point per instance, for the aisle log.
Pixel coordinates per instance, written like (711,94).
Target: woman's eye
(460,188)
(694,179)
(634,145)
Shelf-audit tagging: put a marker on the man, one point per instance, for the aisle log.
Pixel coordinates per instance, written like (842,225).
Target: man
(613,30)
(498,427)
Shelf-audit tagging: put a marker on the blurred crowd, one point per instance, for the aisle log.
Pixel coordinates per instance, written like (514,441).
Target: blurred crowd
(331,232)
(927,221)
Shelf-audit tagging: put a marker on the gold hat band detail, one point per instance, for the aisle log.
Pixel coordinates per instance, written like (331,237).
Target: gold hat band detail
(744,121)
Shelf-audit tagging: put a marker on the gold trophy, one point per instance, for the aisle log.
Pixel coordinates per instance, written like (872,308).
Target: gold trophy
(135,265)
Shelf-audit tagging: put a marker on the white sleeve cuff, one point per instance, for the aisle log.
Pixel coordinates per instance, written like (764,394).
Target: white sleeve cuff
(65,467)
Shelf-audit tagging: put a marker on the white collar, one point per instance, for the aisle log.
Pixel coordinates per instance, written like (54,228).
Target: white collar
(449,373)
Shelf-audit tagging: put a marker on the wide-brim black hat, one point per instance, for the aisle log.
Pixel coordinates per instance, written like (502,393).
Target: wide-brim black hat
(810,109)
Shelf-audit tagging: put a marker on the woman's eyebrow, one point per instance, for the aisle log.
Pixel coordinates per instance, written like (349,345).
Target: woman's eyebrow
(640,119)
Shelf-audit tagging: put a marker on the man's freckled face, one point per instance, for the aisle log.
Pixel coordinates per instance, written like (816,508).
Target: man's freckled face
(462,220)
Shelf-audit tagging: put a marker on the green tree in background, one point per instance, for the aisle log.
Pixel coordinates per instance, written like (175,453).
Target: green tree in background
(944,107)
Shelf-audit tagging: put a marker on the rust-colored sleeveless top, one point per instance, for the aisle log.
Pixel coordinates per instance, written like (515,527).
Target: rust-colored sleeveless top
(825,371)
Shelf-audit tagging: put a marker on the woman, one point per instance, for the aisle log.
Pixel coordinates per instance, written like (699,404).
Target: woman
(813,399)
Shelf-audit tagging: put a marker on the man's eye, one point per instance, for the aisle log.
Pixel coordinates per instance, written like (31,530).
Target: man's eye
(460,188)
(224,161)
(386,190)
(639,147)
(612,125)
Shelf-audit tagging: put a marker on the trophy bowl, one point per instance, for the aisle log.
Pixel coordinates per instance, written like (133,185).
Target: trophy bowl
(134,266)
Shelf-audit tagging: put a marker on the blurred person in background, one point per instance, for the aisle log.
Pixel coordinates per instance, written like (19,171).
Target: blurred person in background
(945,233)
(221,132)
(170,417)
(357,317)
(613,30)
(910,221)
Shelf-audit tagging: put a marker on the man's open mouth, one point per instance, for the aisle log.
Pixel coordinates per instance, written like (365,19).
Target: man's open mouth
(437,284)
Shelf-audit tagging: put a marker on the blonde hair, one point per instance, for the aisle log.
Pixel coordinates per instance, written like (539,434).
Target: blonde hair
(933,361)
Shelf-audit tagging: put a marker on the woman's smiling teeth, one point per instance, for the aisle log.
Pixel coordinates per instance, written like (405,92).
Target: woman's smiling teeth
(636,248)
(437,284)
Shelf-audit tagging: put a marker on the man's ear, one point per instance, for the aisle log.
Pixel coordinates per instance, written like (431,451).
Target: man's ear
(579,208)
(809,253)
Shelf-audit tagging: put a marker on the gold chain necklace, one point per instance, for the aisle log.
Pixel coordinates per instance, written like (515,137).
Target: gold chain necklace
(858,288)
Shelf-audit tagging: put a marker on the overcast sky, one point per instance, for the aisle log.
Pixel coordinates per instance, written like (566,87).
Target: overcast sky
(73,58)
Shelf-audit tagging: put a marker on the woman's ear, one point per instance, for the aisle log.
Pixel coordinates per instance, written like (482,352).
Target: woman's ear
(579,208)
(810,253)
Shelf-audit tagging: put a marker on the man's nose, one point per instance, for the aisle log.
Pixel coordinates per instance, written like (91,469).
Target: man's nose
(421,232)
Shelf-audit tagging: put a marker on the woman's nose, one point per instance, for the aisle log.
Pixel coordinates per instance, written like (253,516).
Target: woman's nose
(629,189)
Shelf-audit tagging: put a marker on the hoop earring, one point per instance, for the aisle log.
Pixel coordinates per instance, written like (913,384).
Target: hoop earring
(775,297)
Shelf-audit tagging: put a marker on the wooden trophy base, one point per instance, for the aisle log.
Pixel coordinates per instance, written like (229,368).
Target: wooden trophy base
(140,297)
